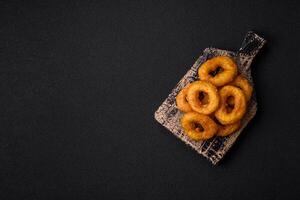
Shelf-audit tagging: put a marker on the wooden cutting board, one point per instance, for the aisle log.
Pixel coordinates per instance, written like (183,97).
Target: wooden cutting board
(169,116)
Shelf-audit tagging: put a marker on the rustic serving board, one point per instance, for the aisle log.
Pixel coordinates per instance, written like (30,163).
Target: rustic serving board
(169,116)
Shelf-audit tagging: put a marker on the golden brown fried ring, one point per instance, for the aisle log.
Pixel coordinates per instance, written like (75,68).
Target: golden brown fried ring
(227,72)
(244,84)
(196,104)
(181,101)
(225,130)
(229,117)
(198,126)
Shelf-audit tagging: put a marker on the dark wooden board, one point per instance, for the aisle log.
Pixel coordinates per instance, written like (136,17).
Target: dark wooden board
(168,115)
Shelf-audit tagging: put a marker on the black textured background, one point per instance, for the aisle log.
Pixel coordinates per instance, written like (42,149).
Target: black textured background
(80,81)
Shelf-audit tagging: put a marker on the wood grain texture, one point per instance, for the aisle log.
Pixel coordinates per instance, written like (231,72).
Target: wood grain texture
(169,116)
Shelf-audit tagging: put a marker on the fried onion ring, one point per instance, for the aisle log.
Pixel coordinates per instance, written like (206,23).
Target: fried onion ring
(225,130)
(243,84)
(223,115)
(198,126)
(208,89)
(219,70)
(181,101)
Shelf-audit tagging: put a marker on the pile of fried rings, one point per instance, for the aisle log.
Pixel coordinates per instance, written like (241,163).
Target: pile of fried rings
(215,104)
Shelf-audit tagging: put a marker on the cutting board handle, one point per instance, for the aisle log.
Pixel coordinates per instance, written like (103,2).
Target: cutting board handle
(252,44)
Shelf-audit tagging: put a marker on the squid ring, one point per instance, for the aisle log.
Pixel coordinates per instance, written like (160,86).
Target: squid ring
(245,85)
(198,126)
(219,70)
(225,130)
(209,90)
(239,109)
(181,101)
